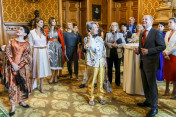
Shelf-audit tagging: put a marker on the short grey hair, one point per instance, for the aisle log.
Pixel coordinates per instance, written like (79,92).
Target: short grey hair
(151,18)
(89,25)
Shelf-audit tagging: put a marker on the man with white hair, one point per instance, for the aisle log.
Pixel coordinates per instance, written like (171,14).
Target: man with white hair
(131,27)
(151,43)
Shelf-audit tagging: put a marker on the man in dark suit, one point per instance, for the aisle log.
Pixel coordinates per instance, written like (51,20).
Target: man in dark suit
(151,43)
(131,27)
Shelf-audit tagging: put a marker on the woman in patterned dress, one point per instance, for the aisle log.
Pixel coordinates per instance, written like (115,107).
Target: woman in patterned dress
(56,48)
(17,62)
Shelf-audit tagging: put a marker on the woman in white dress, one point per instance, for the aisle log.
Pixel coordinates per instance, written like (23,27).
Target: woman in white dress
(37,40)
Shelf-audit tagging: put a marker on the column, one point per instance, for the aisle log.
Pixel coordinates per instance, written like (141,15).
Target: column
(60,13)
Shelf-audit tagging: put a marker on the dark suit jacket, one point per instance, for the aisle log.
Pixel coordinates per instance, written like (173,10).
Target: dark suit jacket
(155,44)
(133,29)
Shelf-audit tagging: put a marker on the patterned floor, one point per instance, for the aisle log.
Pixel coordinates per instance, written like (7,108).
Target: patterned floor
(66,100)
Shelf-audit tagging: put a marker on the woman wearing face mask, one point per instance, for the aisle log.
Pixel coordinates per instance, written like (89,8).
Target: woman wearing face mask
(169,68)
(56,48)
(17,62)
(37,40)
(114,51)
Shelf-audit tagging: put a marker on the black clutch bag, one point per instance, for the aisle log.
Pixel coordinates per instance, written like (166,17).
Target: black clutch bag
(119,41)
(21,82)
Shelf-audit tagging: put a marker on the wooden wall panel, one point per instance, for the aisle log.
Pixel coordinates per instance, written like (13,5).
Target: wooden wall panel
(122,10)
(103,21)
(134,9)
(83,17)
(71,12)
(78,12)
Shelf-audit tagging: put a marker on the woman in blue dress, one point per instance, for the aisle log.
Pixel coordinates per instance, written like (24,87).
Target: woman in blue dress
(161,27)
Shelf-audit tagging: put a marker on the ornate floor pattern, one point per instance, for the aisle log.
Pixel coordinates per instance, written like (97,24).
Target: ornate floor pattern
(66,100)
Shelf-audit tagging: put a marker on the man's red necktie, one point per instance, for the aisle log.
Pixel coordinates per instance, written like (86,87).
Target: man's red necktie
(144,37)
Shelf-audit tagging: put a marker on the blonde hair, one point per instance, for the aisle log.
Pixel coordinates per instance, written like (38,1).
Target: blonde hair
(67,26)
(110,28)
(142,28)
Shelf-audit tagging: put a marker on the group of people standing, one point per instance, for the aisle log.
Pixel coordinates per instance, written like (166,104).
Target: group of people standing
(45,52)
(151,45)
(48,49)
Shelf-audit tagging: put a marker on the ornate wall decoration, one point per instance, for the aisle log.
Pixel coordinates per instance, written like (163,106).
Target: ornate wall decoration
(23,11)
(149,7)
(33,1)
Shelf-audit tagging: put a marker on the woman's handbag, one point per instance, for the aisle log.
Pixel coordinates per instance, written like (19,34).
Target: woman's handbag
(107,84)
(21,82)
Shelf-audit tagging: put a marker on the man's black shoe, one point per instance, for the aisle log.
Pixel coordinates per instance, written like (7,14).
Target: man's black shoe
(11,114)
(81,86)
(95,85)
(145,104)
(152,113)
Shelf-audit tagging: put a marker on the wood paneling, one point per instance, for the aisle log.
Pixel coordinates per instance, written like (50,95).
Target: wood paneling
(70,12)
(103,21)
(76,11)
(126,9)
(83,17)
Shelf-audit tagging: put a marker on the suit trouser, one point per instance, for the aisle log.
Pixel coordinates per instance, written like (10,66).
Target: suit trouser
(150,87)
(73,56)
(114,59)
(93,74)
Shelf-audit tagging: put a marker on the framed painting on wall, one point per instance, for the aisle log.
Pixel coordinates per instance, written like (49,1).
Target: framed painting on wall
(96,12)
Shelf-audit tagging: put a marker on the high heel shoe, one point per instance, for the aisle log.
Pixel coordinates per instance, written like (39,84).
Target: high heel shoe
(166,93)
(11,113)
(42,91)
(55,82)
(172,97)
(51,83)
(24,106)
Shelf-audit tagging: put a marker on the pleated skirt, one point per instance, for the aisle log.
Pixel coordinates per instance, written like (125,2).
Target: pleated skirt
(41,65)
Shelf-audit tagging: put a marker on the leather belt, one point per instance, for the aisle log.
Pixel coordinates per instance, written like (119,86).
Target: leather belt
(40,47)
(53,39)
